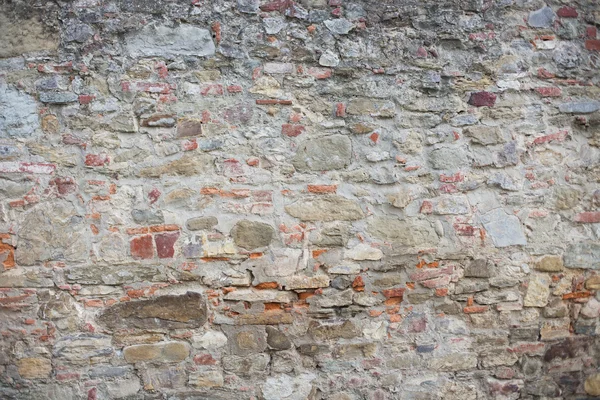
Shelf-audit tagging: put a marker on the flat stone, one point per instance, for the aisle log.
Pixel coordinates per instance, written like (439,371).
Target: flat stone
(162,352)
(142,6)
(555,329)
(201,223)
(541,18)
(306,282)
(170,312)
(147,217)
(277,340)
(363,251)
(207,379)
(34,368)
(285,387)
(184,166)
(538,291)
(478,268)
(164,377)
(58,97)
(83,349)
(410,232)
(346,269)
(163,41)
(252,235)
(580,107)
(454,362)
(325,208)
(371,107)
(484,135)
(451,205)
(584,255)
(448,158)
(55,222)
(549,264)
(210,340)
(18,111)
(340,26)
(251,295)
(335,298)
(323,154)
(265,318)
(504,229)
(333,331)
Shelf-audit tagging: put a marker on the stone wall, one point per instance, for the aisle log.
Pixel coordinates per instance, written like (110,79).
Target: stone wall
(299,199)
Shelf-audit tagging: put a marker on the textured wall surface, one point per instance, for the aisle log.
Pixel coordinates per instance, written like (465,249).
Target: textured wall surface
(299,199)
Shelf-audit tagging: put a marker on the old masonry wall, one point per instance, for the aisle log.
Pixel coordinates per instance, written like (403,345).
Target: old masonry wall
(299,199)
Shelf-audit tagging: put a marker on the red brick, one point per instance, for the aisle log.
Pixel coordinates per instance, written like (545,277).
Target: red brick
(165,243)
(395,292)
(141,247)
(154,195)
(204,359)
(234,89)
(545,74)
(567,12)
(482,99)
(592,44)
(457,177)
(96,160)
(86,98)
(549,91)
(214,89)
(266,102)
(321,189)
(591,32)
(340,110)
(64,186)
(475,309)
(319,73)
(590,217)
(559,136)
(292,130)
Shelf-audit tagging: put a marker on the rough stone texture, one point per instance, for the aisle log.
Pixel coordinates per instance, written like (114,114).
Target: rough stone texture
(188,310)
(251,235)
(299,199)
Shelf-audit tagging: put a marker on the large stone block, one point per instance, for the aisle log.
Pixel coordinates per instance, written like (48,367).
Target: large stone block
(325,208)
(323,154)
(166,41)
(166,312)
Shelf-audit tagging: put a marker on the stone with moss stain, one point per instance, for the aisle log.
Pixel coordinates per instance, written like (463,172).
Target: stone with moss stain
(550,264)
(333,331)
(25,35)
(323,154)
(566,197)
(251,234)
(170,311)
(374,108)
(201,223)
(325,208)
(162,352)
(277,340)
